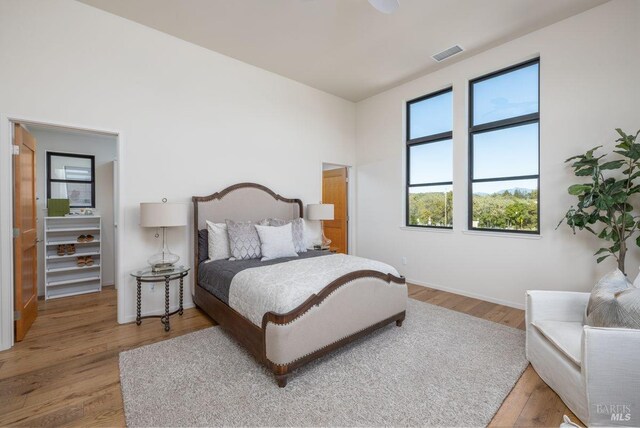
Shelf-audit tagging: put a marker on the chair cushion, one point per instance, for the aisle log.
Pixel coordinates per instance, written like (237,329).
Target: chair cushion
(565,335)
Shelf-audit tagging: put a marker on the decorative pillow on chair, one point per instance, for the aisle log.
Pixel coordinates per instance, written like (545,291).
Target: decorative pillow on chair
(614,302)
(297,229)
(276,241)
(244,242)
(218,241)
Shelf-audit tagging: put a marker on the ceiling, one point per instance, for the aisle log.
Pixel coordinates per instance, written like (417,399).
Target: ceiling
(345,47)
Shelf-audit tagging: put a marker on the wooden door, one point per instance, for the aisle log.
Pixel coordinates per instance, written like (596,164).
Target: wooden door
(25,226)
(334,191)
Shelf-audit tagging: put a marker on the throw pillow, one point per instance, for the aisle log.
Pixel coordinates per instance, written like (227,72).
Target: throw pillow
(276,241)
(244,242)
(203,245)
(614,302)
(218,241)
(297,229)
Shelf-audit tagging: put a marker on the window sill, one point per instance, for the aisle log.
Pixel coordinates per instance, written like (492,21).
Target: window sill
(426,229)
(512,235)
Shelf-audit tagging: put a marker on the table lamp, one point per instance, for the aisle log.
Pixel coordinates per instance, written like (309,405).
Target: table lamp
(321,212)
(163,214)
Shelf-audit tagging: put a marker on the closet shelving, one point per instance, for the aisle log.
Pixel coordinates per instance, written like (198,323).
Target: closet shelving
(62,275)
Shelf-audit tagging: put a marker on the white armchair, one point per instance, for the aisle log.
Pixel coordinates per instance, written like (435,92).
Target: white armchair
(596,371)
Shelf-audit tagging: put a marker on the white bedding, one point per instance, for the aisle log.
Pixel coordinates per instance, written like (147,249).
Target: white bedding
(284,286)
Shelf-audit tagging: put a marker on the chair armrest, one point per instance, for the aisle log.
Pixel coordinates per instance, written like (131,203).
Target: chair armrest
(556,305)
(611,374)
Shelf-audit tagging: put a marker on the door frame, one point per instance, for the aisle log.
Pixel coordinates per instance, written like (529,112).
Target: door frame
(351,202)
(6,216)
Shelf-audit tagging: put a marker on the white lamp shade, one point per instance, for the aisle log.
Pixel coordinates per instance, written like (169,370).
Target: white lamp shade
(320,211)
(162,214)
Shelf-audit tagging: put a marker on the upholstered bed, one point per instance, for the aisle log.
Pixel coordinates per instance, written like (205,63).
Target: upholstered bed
(289,311)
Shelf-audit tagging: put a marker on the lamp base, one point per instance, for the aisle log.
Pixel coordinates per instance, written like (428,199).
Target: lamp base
(326,242)
(165,260)
(162,267)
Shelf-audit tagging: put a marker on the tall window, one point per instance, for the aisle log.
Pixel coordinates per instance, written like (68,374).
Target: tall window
(71,176)
(503,150)
(430,161)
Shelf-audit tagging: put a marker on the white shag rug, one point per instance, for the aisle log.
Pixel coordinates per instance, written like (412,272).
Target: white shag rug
(441,368)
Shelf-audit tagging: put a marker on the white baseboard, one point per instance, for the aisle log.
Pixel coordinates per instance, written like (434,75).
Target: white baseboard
(132,318)
(468,294)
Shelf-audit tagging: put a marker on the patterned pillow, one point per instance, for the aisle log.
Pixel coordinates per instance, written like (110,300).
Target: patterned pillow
(297,227)
(244,242)
(614,302)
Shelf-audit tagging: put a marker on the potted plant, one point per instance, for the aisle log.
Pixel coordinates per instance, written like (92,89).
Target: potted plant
(604,205)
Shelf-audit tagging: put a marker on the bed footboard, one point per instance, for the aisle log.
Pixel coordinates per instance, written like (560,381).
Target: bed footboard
(348,308)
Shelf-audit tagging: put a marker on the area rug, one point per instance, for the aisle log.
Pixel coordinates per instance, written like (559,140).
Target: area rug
(441,368)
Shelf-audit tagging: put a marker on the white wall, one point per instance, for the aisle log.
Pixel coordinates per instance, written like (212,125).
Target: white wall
(103,147)
(589,86)
(192,121)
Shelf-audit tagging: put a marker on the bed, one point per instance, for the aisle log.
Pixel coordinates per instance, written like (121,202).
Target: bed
(287,312)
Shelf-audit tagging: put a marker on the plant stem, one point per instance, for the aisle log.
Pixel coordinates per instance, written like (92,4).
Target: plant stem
(622,254)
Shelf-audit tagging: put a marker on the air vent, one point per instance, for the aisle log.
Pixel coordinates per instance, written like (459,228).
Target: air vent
(447,53)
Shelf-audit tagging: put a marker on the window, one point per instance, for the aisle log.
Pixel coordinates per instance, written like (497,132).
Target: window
(504,145)
(430,161)
(72,177)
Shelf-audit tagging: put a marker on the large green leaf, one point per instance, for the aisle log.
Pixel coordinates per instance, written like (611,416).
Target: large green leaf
(577,189)
(616,164)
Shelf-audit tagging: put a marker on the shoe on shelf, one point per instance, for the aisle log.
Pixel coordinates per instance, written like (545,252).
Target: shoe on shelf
(70,249)
(88,261)
(61,250)
(81,261)
(82,238)
(89,238)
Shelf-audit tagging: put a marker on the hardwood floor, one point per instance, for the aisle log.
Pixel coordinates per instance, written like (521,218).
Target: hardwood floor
(65,373)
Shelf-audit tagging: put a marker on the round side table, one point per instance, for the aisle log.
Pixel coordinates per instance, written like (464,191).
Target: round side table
(147,275)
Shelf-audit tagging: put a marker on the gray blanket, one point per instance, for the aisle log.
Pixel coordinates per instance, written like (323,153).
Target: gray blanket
(216,276)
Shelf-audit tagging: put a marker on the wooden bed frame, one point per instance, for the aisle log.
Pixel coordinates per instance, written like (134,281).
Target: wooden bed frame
(252,337)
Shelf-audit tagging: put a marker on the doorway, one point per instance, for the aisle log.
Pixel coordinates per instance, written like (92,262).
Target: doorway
(335,190)
(73,201)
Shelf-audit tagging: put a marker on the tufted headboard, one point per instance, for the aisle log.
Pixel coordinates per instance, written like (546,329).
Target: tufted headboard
(240,202)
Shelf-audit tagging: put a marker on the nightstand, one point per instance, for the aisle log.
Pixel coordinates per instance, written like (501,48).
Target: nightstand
(332,249)
(146,275)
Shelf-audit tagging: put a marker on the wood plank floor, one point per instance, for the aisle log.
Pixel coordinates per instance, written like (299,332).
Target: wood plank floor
(65,373)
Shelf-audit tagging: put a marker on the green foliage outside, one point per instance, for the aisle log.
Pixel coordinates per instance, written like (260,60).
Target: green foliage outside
(510,210)
(431,209)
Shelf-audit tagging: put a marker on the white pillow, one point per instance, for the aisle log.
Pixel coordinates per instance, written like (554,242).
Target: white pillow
(276,241)
(218,241)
